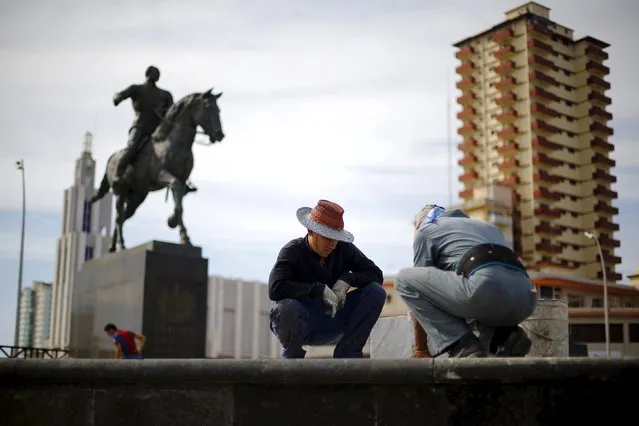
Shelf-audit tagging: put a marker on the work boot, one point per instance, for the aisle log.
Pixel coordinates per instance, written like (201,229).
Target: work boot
(468,346)
(510,342)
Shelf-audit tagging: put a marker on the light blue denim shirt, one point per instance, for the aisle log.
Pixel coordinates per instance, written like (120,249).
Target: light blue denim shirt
(443,243)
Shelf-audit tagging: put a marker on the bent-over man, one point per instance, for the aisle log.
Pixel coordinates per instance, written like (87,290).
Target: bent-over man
(464,275)
(309,284)
(124,340)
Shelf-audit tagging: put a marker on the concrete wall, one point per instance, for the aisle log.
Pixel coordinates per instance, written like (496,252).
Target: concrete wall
(365,392)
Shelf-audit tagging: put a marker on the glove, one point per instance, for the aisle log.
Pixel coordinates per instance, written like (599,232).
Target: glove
(331,300)
(340,288)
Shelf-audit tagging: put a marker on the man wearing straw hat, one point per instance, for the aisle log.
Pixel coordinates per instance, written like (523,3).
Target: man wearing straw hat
(310,283)
(468,289)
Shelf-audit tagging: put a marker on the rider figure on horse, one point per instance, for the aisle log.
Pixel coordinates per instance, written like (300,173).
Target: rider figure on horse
(150,104)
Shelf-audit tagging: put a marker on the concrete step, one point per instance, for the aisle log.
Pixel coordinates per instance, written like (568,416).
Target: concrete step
(525,391)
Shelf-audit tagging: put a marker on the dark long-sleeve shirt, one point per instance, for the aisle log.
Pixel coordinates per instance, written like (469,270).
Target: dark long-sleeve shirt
(298,274)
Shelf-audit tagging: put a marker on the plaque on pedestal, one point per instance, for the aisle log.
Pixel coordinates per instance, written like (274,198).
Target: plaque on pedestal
(157,288)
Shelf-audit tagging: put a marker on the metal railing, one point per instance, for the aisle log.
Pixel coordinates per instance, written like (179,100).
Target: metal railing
(29,352)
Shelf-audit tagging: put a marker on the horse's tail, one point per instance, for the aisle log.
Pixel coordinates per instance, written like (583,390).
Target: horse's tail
(104,185)
(103,190)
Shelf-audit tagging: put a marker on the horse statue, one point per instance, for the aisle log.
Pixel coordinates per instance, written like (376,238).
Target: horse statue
(164,161)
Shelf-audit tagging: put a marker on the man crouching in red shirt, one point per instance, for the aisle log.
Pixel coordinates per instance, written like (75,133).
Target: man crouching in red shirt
(125,347)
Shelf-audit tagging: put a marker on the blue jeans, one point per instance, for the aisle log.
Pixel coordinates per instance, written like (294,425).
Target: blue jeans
(305,322)
(136,356)
(447,305)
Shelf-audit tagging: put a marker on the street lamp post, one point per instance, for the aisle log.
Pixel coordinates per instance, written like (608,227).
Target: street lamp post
(20,166)
(593,236)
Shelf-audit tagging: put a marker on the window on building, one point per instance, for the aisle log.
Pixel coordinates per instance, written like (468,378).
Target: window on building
(633,333)
(597,302)
(595,333)
(86,217)
(576,301)
(546,292)
(88,253)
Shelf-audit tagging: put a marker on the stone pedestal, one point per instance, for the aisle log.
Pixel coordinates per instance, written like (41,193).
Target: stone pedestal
(547,327)
(157,288)
(392,337)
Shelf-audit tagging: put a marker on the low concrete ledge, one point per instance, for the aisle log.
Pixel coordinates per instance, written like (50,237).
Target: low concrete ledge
(524,391)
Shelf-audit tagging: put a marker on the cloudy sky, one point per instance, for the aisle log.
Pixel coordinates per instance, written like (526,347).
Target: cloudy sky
(344,100)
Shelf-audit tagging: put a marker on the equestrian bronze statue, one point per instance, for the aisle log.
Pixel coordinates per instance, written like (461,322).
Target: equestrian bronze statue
(163,157)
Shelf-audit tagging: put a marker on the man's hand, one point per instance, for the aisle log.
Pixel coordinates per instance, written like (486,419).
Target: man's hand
(340,288)
(116,100)
(331,300)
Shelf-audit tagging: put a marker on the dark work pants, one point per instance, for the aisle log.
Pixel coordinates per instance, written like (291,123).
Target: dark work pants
(305,322)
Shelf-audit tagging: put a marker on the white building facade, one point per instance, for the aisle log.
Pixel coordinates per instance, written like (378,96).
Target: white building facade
(35,315)
(238,320)
(86,231)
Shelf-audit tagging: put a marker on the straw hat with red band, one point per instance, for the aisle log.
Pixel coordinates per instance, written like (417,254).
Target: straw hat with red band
(327,219)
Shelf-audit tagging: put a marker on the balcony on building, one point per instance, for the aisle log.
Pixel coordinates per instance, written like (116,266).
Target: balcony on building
(539,30)
(544,128)
(508,149)
(465,68)
(508,133)
(466,194)
(467,160)
(542,79)
(538,46)
(610,275)
(538,62)
(507,117)
(597,69)
(537,93)
(465,53)
(511,181)
(604,207)
(505,68)
(467,129)
(506,100)
(469,176)
(466,99)
(610,259)
(504,52)
(542,111)
(467,145)
(609,242)
(549,248)
(603,177)
(546,194)
(600,159)
(508,165)
(467,114)
(542,176)
(596,53)
(601,191)
(542,161)
(597,83)
(541,144)
(505,84)
(604,225)
(546,229)
(601,129)
(466,83)
(503,36)
(544,211)
(599,114)
(599,99)
(600,145)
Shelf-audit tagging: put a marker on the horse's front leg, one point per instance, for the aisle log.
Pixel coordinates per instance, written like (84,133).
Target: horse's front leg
(177,190)
(117,228)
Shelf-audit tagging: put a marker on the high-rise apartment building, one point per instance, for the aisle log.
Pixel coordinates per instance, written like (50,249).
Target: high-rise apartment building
(35,315)
(86,230)
(534,119)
